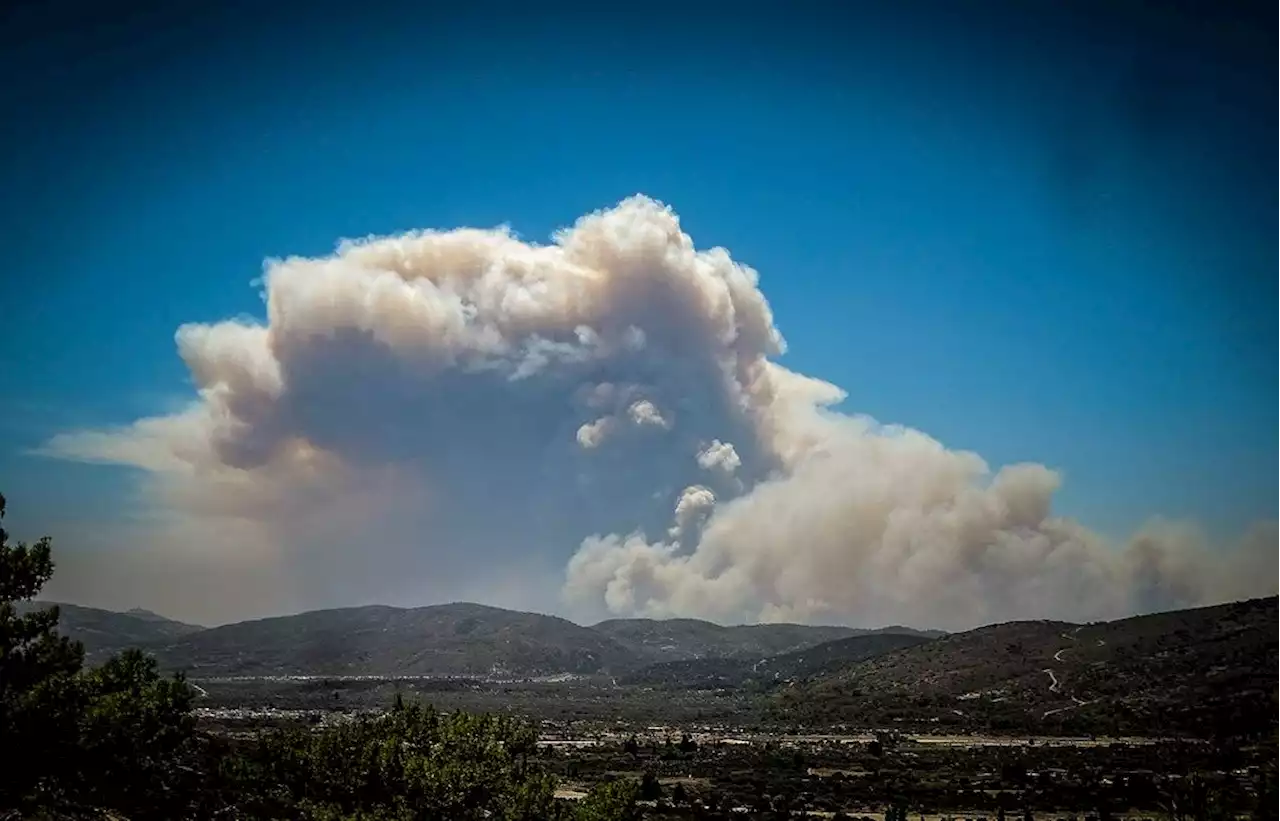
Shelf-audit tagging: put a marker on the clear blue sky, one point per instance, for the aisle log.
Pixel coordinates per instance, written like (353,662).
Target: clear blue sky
(1041,236)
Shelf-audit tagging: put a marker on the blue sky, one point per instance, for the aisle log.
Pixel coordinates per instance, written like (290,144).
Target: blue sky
(1040,236)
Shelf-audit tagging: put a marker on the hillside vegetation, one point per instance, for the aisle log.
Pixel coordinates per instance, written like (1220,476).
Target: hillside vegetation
(105,632)
(769,671)
(681,639)
(441,640)
(1206,671)
(452,639)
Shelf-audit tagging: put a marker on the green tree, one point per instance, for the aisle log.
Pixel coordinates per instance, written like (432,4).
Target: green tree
(116,738)
(650,789)
(31,651)
(631,746)
(610,801)
(37,679)
(137,746)
(679,796)
(411,763)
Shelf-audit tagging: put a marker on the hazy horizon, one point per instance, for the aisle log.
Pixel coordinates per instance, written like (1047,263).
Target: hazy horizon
(42,601)
(47,601)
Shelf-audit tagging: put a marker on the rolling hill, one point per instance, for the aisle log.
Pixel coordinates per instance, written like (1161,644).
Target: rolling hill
(450,639)
(105,632)
(684,639)
(441,640)
(1205,671)
(461,640)
(770,671)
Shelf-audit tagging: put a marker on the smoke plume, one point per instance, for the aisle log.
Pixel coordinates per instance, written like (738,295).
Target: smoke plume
(596,426)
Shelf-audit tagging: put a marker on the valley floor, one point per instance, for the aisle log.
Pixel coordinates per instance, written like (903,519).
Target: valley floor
(717,754)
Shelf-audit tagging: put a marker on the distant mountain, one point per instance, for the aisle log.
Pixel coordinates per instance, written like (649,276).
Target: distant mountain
(450,639)
(106,632)
(441,640)
(770,671)
(1206,671)
(683,639)
(148,615)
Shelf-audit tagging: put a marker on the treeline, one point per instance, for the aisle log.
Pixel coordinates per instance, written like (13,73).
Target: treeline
(120,742)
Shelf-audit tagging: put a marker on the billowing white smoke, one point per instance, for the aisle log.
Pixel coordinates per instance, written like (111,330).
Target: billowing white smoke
(454,414)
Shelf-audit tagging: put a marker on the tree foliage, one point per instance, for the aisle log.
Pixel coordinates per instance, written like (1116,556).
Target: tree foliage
(119,737)
(411,762)
(611,801)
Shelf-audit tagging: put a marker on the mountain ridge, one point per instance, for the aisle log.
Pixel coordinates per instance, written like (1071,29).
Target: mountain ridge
(767,671)
(1194,671)
(105,632)
(454,639)
(687,639)
(1200,671)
